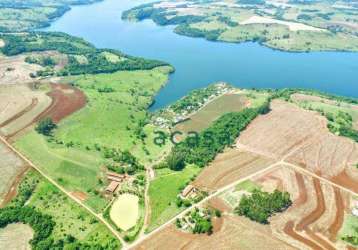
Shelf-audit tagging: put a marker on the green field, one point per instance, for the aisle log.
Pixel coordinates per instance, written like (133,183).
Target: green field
(73,156)
(163,191)
(247,185)
(17,16)
(74,169)
(218,107)
(212,111)
(69,217)
(308,26)
(350,228)
(114,119)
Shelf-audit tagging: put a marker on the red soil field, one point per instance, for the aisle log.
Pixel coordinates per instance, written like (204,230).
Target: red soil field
(347,181)
(302,198)
(66,100)
(80,195)
(319,210)
(338,222)
(289,231)
(219,204)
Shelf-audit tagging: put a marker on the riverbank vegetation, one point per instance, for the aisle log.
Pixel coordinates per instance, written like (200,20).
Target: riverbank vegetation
(81,57)
(18,16)
(314,26)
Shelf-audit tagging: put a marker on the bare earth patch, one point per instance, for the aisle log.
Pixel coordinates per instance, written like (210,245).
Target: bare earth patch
(125,211)
(293,26)
(19,106)
(2,43)
(317,213)
(10,167)
(14,70)
(302,137)
(234,233)
(16,236)
(230,166)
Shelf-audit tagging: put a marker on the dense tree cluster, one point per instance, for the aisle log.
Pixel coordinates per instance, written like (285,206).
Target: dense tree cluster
(194,99)
(202,149)
(124,161)
(259,206)
(45,126)
(72,46)
(40,223)
(187,30)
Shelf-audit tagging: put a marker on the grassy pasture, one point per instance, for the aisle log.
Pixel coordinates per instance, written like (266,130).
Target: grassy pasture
(163,191)
(111,119)
(230,22)
(212,111)
(70,218)
(349,226)
(75,169)
(328,106)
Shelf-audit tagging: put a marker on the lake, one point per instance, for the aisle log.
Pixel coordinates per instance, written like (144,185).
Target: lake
(199,62)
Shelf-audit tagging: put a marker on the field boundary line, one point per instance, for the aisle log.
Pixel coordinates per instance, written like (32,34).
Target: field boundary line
(100,218)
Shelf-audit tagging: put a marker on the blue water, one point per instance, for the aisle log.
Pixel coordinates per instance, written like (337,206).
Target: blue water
(199,62)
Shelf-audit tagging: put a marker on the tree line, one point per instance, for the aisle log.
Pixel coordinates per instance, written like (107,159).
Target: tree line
(212,141)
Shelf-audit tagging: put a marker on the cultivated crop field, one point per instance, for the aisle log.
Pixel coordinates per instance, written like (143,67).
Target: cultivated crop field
(302,137)
(230,166)
(230,232)
(317,214)
(21,105)
(11,168)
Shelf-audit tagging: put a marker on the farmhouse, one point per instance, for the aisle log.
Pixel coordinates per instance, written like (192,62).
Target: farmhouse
(116,177)
(189,191)
(112,187)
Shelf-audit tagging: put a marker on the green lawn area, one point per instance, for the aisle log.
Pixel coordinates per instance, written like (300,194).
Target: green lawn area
(70,218)
(74,169)
(112,119)
(247,185)
(163,191)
